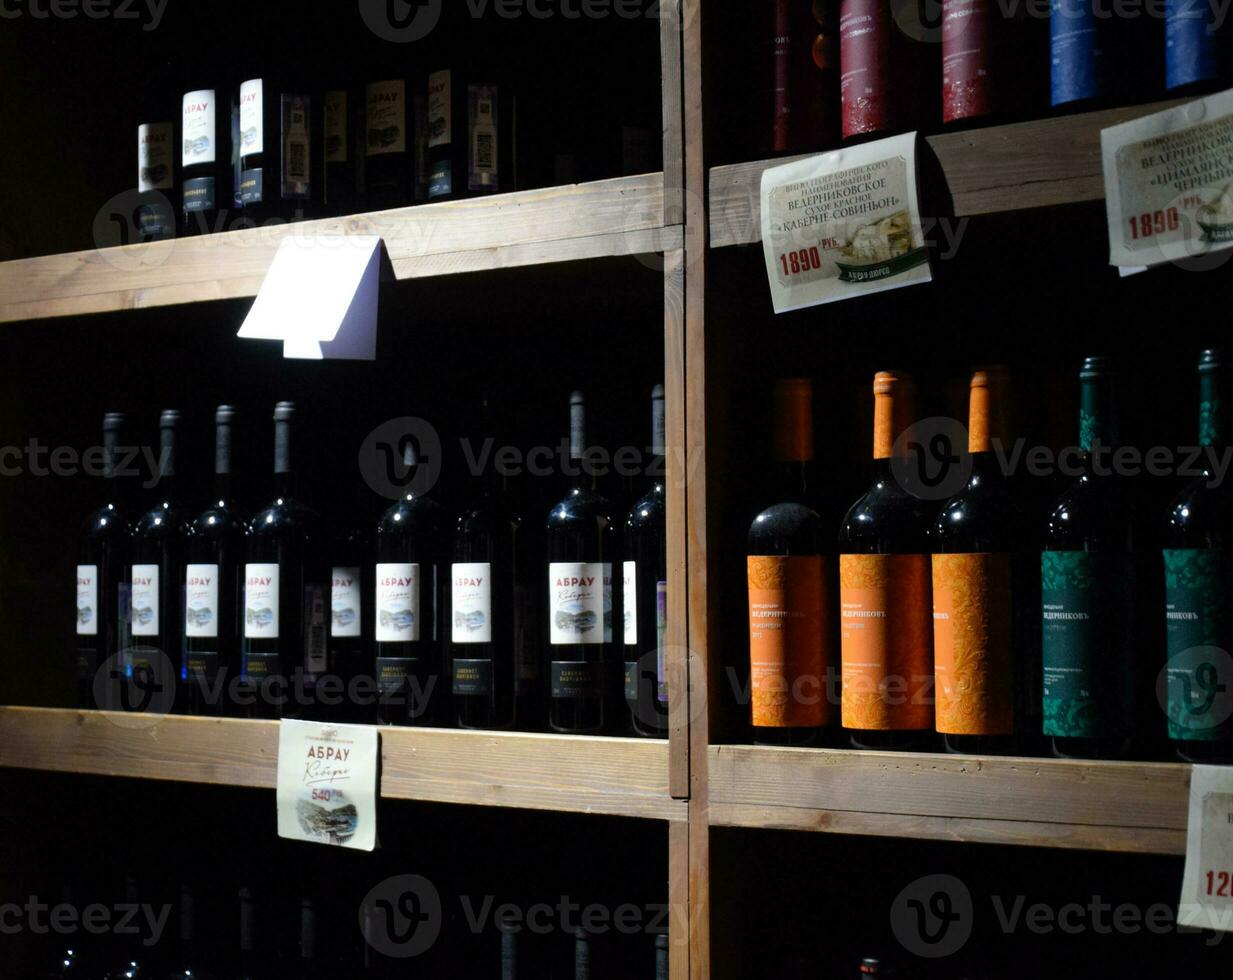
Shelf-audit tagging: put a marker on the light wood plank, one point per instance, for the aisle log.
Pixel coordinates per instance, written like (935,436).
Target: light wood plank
(1046,802)
(622,216)
(1036,164)
(674,119)
(619,777)
(680,926)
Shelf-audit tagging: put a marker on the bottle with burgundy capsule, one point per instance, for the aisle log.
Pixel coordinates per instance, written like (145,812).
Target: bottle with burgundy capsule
(804,72)
(212,585)
(884,68)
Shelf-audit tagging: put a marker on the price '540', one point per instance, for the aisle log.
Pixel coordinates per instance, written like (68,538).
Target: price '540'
(1150,224)
(1220,884)
(802,260)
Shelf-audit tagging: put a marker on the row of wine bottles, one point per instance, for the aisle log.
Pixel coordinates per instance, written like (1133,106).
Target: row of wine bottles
(997,629)
(368,945)
(428,618)
(867,67)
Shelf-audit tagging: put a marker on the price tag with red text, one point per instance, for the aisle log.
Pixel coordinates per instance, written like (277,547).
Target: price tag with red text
(1207,884)
(843,224)
(1169,184)
(327,784)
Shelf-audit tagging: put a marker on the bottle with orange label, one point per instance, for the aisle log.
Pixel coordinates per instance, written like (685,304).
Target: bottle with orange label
(885,612)
(974,634)
(790,614)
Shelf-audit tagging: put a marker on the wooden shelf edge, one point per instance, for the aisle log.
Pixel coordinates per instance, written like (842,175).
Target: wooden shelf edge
(1109,806)
(603,776)
(608,218)
(1042,163)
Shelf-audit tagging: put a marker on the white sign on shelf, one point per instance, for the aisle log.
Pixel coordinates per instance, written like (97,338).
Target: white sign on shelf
(1169,183)
(1207,883)
(319,297)
(843,224)
(327,784)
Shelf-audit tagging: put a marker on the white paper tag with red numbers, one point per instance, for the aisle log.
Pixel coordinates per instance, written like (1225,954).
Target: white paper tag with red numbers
(1207,885)
(843,224)
(327,784)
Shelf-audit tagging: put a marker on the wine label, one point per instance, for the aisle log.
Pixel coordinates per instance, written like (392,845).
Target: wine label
(201,666)
(393,673)
(661,634)
(864,66)
(154,157)
(967,58)
(787,641)
(345,602)
(145,600)
(387,118)
(972,644)
(252,186)
(199,194)
(1076,51)
(629,602)
(574,679)
(472,678)
(297,139)
(887,642)
(252,117)
(201,601)
(398,602)
(1199,690)
(197,128)
(336,148)
(440,102)
(580,602)
(87,600)
(1086,647)
(471,593)
(482,137)
(261,584)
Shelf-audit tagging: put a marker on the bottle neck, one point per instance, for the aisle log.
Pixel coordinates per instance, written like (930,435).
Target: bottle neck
(188,919)
(222,460)
(167,463)
(111,454)
(1097,415)
(1213,427)
(284,477)
(248,926)
(308,931)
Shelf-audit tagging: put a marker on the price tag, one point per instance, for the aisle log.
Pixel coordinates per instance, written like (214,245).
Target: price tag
(1169,183)
(1207,884)
(843,224)
(327,784)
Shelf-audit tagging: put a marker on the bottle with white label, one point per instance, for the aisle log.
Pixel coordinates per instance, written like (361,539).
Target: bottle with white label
(156,181)
(645,592)
(412,565)
(351,610)
(583,604)
(276,151)
(212,586)
(205,172)
(155,653)
(102,581)
(285,590)
(447,123)
(496,673)
(389,143)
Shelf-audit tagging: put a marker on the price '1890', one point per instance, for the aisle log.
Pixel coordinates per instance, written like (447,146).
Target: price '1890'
(803,260)
(1150,224)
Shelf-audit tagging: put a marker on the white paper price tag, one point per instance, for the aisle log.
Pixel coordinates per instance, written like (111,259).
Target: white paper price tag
(1169,183)
(1207,884)
(327,784)
(843,224)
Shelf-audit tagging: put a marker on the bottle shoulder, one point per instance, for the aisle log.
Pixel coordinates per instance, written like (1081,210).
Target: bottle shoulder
(580,506)
(163,521)
(221,519)
(785,529)
(282,515)
(886,519)
(1091,514)
(649,511)
(1201,516)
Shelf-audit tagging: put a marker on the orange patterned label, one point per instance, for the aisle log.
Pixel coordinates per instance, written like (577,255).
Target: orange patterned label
(787,642)
(972,643)
(887,648)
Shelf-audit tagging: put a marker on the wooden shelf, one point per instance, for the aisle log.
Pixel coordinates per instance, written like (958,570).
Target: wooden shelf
(623,216)
(1100,806)
(610,776)
(1036,164)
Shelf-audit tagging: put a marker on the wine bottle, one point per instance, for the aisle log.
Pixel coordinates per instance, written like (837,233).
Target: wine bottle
(102,579)
(156,654)
(1080,53)
(582,955)
(582,552)
(203,165)
(412,682)
(804,55)
(789,612)
(341,117)
(351,615)
(389,167)
(645,593)
(156,181)
(311,965)
(1198,570)
(128,957)
(663,958)
(489,123)
(253,957)
(509,955)
(1198,47)
(447,107)
(419,153)
(1087,574)
(969,59)
(884,593)
(276,151)
(212,586)
(285,595)
(974,549)
(489,580)
(866,29)
(190,962)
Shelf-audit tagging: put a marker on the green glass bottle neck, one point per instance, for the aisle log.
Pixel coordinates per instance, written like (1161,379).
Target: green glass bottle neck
(1213,428)
(1097,415)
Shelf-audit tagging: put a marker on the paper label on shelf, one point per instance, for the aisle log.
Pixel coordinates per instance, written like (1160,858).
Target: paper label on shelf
(145,600)
(1169,183)
(87,600)
(201,601)
(471,594)
(843,224)
(1207,883)
(327,784)
(261,601)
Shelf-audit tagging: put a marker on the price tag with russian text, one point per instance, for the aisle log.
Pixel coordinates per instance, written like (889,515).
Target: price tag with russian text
(1207,884)
(327,784)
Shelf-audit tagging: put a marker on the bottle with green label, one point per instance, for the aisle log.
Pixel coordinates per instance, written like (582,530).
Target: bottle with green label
(1197,689)
(1087,589)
